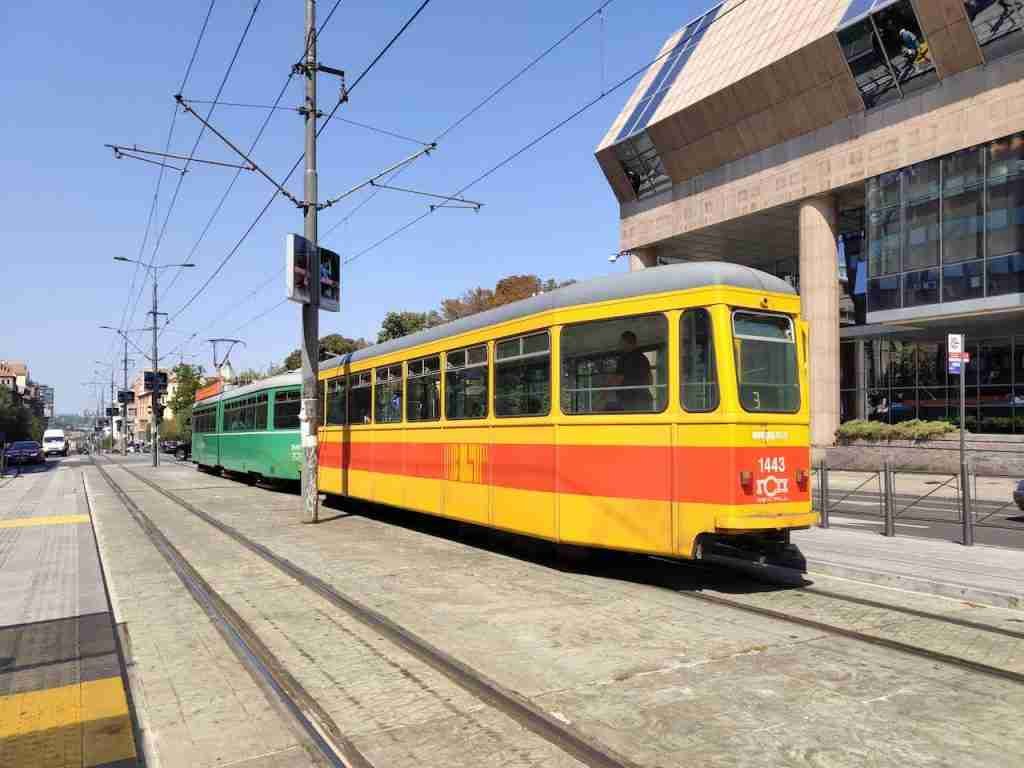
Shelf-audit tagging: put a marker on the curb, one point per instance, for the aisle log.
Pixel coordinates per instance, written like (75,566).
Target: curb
(917,584)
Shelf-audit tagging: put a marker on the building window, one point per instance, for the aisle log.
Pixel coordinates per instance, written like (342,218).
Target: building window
(522,376)
(642,165)
(615,366)
(868,64)
(1006,275)
(388,394)
(287,405)
(423,390)
(921,228)
(963,208)
(465,383)
(1005,197)
(905,46)
(698,374)
(360,398)
(337,401)
(998,25)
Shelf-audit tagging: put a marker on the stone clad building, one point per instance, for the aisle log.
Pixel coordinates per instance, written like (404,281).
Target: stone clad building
(872,153)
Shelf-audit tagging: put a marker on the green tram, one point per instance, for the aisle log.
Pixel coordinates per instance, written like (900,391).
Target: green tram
(251,430)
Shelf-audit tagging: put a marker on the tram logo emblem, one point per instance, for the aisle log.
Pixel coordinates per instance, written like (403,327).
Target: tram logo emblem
(772,487)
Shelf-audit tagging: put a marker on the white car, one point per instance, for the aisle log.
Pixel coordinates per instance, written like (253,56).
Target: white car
(54,441)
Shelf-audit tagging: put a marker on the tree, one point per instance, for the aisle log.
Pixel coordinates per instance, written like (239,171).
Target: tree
(507,290)
(398,324)
(17,422)
(330,345)
(189,379)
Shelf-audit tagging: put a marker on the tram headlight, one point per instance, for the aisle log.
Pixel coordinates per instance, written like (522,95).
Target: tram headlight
(747,481)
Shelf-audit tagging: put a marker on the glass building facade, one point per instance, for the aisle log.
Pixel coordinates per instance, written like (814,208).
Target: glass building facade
(947,229)
(905,380)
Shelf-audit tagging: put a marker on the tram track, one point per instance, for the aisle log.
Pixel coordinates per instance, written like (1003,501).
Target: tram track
(322,734)
(865,637)
(520,709)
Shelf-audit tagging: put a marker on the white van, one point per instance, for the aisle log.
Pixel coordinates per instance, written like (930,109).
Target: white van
(54,441)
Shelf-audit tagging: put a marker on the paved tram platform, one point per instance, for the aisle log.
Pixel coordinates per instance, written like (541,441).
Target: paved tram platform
(650,662)
(63,699)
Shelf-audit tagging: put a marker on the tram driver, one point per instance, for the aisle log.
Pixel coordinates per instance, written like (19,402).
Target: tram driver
(633,375)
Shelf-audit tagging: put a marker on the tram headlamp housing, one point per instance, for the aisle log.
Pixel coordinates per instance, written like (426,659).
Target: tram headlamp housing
(747,481)
(801,478)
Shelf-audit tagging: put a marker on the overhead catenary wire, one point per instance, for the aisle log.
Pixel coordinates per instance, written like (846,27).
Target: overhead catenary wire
(494,93)
(195,145)
(533,142)
(156,194)
(262,212)
(488,99)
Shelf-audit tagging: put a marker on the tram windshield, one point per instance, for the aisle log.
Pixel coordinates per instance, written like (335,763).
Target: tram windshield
(766,366)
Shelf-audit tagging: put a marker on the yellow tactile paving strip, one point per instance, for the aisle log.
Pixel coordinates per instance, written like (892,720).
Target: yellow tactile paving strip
(25,522)
(82,725)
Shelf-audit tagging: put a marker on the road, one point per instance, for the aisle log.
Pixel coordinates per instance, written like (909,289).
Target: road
(998,523)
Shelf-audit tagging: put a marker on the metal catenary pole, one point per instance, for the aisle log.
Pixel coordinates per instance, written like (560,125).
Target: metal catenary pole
(154,428)
(124,405)
(311,311)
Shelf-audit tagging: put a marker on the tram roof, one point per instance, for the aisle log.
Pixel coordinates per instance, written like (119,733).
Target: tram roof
(663,279)
(290,379)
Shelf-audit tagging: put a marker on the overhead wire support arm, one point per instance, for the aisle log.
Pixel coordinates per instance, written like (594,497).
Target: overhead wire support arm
(476,206)
(371,181)
(121,151)
(185,105)
(118,154)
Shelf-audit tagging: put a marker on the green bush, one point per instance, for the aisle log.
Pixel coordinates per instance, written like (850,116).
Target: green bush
(915,429)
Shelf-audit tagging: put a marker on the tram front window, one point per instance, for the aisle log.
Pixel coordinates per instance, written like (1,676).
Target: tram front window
(615,366)
(766,366)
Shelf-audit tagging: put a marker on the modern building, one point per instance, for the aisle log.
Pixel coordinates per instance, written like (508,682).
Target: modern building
(872,153)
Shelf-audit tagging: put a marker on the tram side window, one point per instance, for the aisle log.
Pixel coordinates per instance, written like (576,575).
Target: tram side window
(240,415)
(204,421)
(360,399)
(766,366)
(287,404)
(423,390)
(466,383)
(615,366)
(260,407)
(699,377)
(522,376)
(337,401)
(388,394)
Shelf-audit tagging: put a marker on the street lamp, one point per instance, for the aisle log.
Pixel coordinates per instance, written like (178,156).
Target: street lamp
(155,394)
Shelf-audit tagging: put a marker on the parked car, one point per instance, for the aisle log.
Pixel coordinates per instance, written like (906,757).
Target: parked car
(25,452)
(169,446)
(183,451)
(1018,494)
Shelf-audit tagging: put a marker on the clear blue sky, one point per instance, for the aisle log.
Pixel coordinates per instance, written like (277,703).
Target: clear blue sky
(78,75)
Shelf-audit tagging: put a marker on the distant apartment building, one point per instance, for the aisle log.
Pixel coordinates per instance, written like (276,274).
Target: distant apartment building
(870,152)
(38,398)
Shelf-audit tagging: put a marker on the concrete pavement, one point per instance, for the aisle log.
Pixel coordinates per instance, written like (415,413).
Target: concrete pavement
(63,700)
(616,647)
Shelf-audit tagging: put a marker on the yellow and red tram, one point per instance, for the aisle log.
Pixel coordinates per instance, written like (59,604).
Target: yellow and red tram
(649,412)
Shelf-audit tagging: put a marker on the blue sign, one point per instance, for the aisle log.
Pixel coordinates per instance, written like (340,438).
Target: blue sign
(955,367)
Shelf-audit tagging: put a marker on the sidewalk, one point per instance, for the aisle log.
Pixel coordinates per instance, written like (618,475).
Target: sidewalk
(982,574)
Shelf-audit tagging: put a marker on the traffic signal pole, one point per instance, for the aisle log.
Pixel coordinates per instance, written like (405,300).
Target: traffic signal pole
(124,405)
(311,311)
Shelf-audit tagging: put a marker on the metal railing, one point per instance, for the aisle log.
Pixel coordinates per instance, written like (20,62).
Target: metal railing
(890,496)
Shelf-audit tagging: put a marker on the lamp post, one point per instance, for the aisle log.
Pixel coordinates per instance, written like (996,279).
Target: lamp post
(154,269)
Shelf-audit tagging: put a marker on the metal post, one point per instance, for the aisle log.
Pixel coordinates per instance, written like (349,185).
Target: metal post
(124,406)
(890,501)
(966,513)
(310,312)
(823,483)
(155,392)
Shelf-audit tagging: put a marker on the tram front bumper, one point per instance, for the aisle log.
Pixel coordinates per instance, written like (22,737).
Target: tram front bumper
(760,519)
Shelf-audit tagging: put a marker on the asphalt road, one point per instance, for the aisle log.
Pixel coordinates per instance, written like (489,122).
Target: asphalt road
(999,523)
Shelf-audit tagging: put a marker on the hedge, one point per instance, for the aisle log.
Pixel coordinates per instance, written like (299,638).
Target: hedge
(915,430)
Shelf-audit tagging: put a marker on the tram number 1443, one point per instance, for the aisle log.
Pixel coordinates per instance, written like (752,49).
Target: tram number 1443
(772,464)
